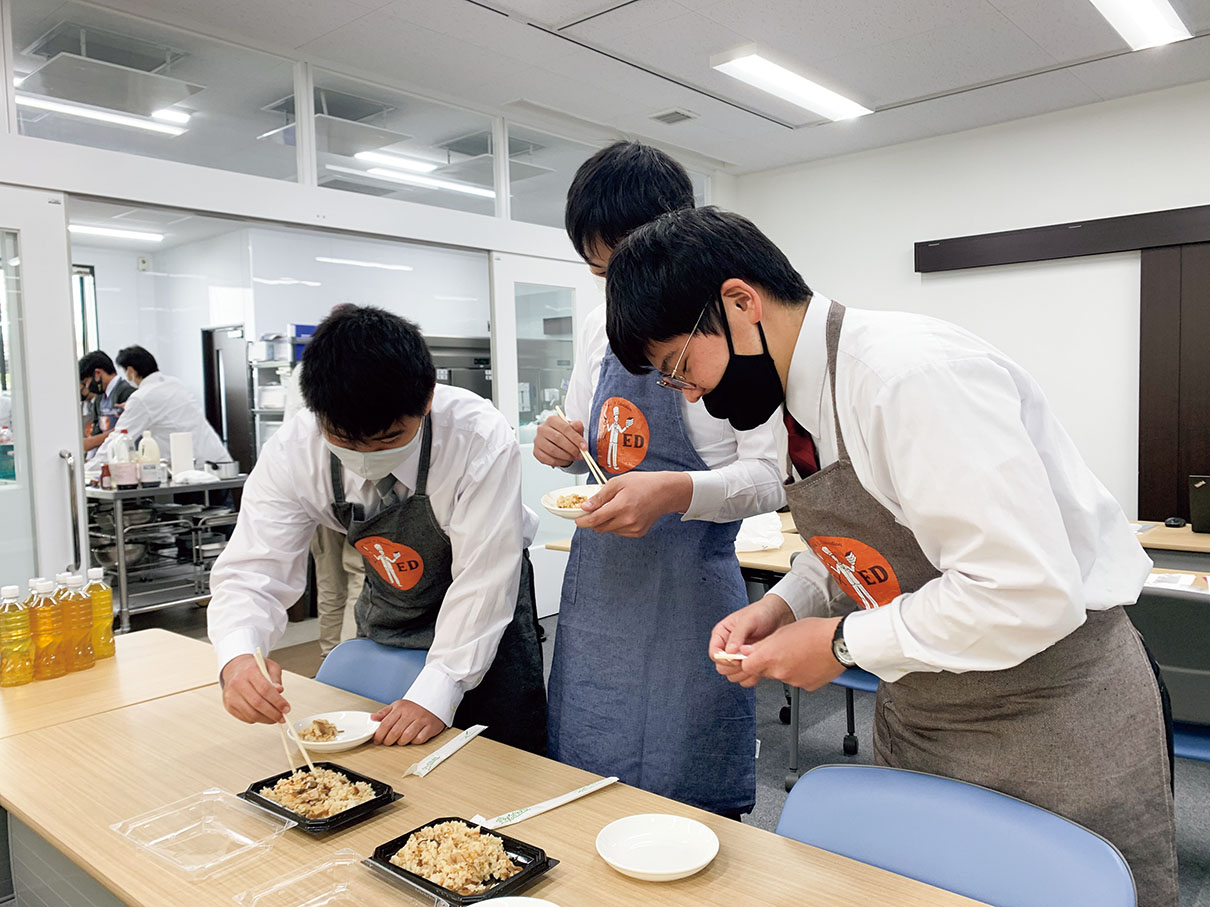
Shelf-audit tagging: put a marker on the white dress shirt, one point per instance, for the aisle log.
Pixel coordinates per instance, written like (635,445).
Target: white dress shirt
(162,405)
(959,443)
(474,486)
(745,476)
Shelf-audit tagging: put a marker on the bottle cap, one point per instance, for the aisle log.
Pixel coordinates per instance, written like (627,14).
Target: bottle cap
(60,579)
(96,573)
(35,579)
(42,586)
(75,581)
(10,591)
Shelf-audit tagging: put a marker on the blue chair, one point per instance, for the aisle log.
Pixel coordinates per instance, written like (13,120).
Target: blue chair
(370,669)
(854,679)
(1191,741)
(957,836)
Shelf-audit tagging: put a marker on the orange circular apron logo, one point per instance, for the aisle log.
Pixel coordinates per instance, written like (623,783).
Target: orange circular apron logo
(622,435)
(400,567)
(860,571)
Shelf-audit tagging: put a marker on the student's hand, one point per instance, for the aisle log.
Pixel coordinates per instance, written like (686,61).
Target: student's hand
(629,504)
(799,654)
(741,629)
(558,442)
(248,696)
(405,722)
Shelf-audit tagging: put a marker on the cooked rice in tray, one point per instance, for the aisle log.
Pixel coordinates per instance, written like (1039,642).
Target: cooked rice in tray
(320,731)
(318,795)
(456,856)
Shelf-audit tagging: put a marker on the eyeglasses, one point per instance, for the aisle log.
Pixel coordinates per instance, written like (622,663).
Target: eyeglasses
(670,380)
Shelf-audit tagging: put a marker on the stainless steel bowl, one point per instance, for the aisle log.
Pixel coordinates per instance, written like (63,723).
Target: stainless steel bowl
(107,555)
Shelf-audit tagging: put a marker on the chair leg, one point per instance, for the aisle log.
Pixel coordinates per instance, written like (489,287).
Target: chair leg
(792,774)
(783,714)
(850,739)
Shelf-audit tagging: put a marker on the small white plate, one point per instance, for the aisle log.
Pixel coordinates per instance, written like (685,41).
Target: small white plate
(657,848)
(355,729)
(568,513)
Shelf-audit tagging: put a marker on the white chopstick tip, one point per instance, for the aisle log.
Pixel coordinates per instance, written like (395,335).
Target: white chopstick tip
(729,657)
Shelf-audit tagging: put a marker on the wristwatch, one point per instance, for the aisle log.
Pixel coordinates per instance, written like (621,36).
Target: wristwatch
(839,648)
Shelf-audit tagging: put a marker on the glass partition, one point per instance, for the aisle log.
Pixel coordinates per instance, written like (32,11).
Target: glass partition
(16,496)
(89,76)
(379,141)
(540,170)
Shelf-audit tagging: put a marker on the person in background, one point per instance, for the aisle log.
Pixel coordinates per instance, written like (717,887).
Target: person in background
(340,571)
(430,475)
(655,552)
(162,405)
(987,564)
(104,393)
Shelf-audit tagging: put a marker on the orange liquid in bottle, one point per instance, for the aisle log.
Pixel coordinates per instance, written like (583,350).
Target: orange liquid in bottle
(102,613)
(16,641)
(77,615)
(47,620)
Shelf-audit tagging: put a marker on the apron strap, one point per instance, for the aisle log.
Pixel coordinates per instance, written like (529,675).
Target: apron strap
(426,449)
(835,319)
(338,479)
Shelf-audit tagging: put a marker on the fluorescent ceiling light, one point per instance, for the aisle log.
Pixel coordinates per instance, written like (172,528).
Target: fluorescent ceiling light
(92,113)
(115,234)
(398,163)
(362,264)
(427,182)
(171,115)
(1143,23)
(777,80)
(286,282)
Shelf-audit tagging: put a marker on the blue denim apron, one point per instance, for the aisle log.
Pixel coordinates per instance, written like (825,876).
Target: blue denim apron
(632,690)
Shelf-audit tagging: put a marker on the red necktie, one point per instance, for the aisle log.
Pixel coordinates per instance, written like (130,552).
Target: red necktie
(802,448)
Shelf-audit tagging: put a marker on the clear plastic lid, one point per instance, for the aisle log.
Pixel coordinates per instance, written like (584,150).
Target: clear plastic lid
(342,878)
(205,834)
(96,573)
(10,591)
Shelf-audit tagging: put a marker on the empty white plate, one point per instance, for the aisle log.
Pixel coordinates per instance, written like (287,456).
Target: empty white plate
(551,498)
(355,729)
(657,848)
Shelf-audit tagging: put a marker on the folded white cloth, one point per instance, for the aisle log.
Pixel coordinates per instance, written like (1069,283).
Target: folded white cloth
(193,477)
(760,533)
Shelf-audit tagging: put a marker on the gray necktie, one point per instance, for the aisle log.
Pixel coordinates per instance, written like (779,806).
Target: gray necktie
(386,488)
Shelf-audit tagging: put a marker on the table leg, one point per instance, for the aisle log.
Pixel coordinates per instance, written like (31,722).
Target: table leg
(119,531)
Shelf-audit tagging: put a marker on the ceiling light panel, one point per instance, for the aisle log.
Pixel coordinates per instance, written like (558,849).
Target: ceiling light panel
(1143,23)
(103,116)
(759,72)
(89,230)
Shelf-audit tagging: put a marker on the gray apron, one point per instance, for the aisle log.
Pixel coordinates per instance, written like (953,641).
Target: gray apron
(408,571)
(1077,729)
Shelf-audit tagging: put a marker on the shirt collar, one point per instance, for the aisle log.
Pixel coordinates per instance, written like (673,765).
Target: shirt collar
(112,385)
(809,366)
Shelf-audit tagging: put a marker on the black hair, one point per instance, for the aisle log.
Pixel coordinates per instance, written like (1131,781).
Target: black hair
(664,274)
(619,188)
(364,370)
(97,359)
(139,359)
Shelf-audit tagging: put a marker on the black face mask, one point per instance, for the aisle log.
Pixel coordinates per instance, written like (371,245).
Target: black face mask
(750,390)
(95,387)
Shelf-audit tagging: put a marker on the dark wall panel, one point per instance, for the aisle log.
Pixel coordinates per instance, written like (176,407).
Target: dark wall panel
(1159,383)
(1195,367)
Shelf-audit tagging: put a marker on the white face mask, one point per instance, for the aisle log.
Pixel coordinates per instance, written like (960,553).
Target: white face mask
(375,464)
(600,282)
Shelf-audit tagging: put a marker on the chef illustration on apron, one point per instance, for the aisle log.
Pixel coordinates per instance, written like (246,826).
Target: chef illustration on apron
(408,572)
(1076,729)
(632,691)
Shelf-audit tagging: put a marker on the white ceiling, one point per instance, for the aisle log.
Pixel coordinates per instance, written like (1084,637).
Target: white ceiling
(593,69)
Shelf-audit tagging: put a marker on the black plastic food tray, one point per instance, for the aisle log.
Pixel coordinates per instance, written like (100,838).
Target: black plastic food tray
(384,794)
(534,861)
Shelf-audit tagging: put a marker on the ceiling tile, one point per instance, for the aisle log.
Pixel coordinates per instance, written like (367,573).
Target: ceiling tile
(626,19)
(292,23)
(1194,13)
(554,12)
(1148,70)
(1066,29)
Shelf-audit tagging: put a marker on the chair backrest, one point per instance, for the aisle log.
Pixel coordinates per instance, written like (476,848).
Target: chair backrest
(1175,625)
(370,669)
(957,836)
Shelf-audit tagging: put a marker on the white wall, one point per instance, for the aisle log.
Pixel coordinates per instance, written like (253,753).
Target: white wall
(126,310)
(849,225)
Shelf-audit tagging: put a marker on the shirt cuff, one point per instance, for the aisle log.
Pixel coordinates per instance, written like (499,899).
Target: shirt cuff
(871,640)
(709,493)
(436,691)
(238,642)
(802,597)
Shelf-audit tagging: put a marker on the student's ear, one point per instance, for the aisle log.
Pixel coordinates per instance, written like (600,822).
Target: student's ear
(740,296)
(428,407)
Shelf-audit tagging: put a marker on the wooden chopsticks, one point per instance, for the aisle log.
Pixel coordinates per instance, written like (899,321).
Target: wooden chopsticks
(286,735)
(593,466)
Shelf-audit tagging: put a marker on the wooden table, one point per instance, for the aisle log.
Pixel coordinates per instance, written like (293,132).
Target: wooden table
(775,560)
(186,743)
(1165,538)
(148,664)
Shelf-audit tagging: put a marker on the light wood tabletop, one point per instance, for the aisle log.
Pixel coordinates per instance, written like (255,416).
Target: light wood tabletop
(148,664)
(61,782)
(1168,539)
(775,560)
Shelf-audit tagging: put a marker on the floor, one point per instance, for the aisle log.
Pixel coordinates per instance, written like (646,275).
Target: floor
(822,726)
